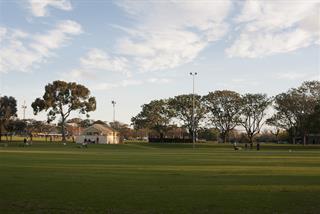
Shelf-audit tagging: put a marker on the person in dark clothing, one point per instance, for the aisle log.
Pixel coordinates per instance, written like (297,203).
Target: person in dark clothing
(258,146)
(84,144)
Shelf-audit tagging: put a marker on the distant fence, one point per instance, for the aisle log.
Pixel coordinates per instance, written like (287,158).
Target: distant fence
(169,140)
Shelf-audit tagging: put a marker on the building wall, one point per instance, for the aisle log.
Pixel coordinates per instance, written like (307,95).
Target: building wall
(102,139)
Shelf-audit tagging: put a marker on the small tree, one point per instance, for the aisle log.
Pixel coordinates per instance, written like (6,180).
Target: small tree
(8,109)
(61,98)
(253,111)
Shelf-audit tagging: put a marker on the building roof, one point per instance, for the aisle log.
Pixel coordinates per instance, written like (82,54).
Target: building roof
(100,128)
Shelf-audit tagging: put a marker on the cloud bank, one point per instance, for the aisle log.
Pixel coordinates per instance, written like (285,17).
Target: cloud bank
(22,51)
(39,8)
(273,27)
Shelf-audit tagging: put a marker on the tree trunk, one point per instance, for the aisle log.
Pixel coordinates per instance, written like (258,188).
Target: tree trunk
(251,140)
(225,136)
(161,137)
(63,131)
(191,134)
(0,130)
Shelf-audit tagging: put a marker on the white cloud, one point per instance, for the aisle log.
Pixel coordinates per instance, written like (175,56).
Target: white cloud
(129,82)
(122,83)
(159,80)
(56,37)
(97,59)
(295,76)
(40,7)
(21,51)
(271,27)
(78,74)
(169,34)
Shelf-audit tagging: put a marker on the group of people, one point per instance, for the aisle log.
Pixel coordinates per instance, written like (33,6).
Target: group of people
(235,147)
(89,141)
(26,142)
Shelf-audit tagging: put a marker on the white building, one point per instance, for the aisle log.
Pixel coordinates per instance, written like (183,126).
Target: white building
(99,134)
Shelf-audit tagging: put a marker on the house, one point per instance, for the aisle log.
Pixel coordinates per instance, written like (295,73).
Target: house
(99,134)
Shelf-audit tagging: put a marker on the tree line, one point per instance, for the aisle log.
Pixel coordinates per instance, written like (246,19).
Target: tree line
(296,112)
(217,114)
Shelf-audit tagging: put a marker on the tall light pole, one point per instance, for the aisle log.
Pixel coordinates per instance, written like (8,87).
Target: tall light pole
(24,107)
(114,117)
(193,74)
(114,111)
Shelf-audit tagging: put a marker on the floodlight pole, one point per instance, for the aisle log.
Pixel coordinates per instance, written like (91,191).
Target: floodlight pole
(24,107)
(114,116)
(193,74)
(114,112)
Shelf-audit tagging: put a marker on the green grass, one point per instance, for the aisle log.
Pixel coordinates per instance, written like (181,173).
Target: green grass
(159,178)
(34,139)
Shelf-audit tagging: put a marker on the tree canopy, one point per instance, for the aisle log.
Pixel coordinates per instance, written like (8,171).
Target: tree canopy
(61,98)
(296,108)
(182,107)
(8,109)
(253,111)
(224,110)
(155,115)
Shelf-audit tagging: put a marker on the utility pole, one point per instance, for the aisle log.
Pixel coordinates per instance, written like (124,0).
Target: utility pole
(193,74)
(24,107)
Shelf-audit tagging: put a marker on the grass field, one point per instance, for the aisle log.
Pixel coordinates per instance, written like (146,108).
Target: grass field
(155,178)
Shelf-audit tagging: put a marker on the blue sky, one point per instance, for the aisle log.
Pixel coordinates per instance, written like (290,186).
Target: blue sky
(136,51)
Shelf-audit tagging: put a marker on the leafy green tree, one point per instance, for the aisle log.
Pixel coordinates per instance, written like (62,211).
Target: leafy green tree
(16,126)
(209,134)
(8,109)
(155,116)
(86,123)
(124,129)
(294,107)
(313,120)
(75,120)
(224,110)
(61,98)
(182,106)
(275,126)
(253,111)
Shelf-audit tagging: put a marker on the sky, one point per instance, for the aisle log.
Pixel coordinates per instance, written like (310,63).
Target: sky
(137,51)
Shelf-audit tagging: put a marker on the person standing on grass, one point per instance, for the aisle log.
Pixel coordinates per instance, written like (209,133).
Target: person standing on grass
(258,146)
(85,143)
